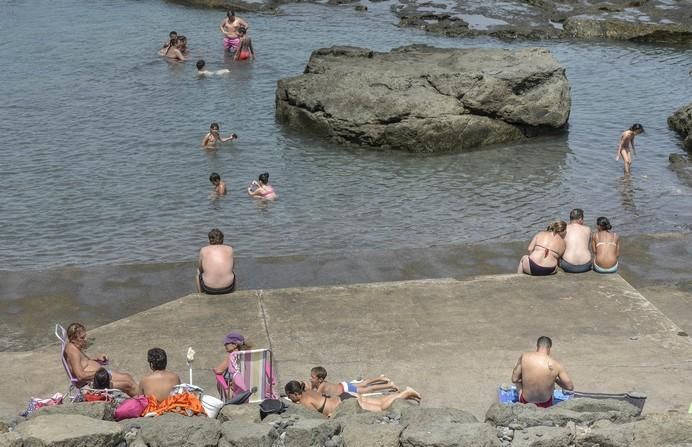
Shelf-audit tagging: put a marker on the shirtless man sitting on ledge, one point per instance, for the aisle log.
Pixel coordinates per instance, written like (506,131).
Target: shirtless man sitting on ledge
(536,374)
(215,274)
(84,367)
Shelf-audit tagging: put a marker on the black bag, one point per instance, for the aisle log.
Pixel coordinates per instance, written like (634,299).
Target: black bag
(272,406)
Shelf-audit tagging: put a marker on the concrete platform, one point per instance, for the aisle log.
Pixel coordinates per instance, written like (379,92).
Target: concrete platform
(454,341)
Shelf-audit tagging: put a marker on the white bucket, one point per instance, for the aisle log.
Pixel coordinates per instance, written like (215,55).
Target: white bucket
(211,405)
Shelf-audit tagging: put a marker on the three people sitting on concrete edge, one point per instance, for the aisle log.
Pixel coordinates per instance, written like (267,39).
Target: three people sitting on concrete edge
(159,382)
(577,255)
(215,275)
(536,374)
(326,404)
(606,247)
(545,250)
(84,368)
(318,382)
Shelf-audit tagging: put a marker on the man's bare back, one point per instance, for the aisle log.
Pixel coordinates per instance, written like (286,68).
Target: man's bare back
(159,384)
(536,374)
(216,265)
(577,242)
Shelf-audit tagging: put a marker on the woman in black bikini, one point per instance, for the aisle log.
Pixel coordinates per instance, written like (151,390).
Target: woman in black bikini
(545,250)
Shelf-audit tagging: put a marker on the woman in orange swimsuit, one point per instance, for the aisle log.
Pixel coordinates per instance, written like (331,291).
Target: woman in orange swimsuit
(606,247)
(545,250)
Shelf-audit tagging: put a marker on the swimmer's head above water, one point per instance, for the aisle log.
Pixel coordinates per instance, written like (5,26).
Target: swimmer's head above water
(637,128)
(603,224)
(200,64)
(215,178)
(263,178)
(172,35)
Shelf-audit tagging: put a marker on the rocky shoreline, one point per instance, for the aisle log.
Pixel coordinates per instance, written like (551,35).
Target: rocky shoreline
(629,20)
(578,422)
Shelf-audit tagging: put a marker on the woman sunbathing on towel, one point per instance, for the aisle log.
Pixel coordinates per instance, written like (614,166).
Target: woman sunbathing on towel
(84,368)
(326,404)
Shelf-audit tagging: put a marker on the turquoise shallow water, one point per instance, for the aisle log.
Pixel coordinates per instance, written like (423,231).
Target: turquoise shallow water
(99,142)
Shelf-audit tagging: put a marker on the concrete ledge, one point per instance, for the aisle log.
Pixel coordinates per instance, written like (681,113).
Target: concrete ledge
(454,341)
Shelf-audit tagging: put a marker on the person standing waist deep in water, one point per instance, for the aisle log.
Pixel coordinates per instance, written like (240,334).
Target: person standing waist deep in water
(626,146)
(231,28)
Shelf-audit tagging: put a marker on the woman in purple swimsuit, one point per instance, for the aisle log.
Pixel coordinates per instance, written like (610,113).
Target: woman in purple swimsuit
(261,189)
(545,250)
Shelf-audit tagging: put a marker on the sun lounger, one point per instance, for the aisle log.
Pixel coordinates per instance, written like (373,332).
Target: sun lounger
(255,373)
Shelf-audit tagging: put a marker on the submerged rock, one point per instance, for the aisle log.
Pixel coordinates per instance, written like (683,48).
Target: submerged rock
(424,99)
(681,122)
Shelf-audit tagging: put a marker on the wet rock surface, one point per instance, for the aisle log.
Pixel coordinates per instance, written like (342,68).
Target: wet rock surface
(681,122)
(425,99)
(634,20)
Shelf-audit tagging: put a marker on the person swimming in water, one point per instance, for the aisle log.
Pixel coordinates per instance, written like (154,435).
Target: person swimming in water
(261,188)
(219,185)
(173,51)
(211,139)
(245,50)
(625,147)
(171,36)
(202,72)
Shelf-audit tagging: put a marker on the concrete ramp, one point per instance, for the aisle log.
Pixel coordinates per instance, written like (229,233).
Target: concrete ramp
(454,341)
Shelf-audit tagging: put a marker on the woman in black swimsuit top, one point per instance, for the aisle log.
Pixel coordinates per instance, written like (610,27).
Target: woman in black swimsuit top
(545,250)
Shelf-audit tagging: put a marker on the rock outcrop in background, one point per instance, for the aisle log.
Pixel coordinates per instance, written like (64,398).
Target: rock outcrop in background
(424,99)
(681,122)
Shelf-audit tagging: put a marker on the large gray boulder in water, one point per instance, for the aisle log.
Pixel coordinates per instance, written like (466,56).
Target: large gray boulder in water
(425,99)
(681,122)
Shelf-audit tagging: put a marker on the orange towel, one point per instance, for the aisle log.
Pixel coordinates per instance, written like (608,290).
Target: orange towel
(186,404)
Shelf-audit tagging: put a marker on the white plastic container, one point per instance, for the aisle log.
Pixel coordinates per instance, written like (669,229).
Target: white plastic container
(211,405)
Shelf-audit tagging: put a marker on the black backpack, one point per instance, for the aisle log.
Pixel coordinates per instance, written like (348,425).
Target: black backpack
(272,406)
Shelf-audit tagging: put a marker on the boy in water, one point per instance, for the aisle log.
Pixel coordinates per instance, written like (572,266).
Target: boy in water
(219,186)
(202,72)
(171,37)
(210,139)
(318,382)
(626,146)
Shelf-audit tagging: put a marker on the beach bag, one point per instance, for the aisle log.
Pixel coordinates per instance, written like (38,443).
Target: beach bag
(131,408)
(272,406)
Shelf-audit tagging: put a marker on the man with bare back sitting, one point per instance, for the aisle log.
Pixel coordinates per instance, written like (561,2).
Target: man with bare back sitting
(215,274)
(84,367)
(536,374)
(160,382)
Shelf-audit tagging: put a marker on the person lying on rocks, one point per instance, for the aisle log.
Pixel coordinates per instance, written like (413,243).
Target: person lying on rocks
(536,374)
(160,382)
(318,382)
(84,368)
(326,404)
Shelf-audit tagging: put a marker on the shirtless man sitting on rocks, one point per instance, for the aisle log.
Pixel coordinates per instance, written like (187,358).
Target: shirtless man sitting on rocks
(536,374)
(326,404)
(577,256)
(215,274)
(160,382)
(84,367)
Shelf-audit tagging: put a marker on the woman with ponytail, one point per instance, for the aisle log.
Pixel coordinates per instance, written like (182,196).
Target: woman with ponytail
(545,250)
(606,247)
